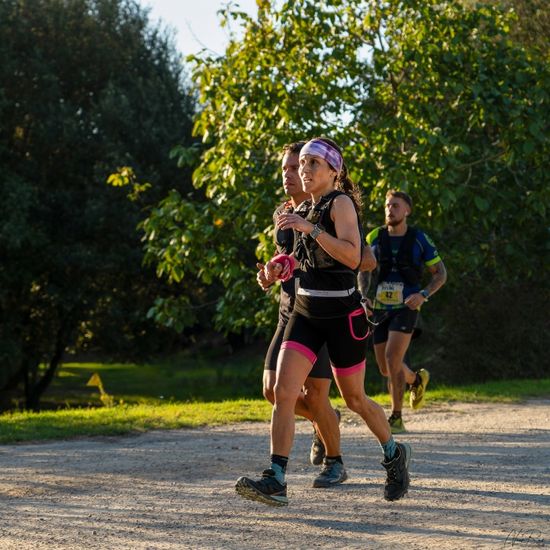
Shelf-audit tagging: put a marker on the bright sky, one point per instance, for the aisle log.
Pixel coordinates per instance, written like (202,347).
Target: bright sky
(195,22)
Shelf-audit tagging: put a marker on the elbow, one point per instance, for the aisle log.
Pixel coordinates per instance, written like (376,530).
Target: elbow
(353,261)
(443,275)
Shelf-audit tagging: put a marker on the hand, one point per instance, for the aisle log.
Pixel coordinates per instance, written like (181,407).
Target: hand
(414,301)
(272,270)
(368,259)
(294,221)
(261,278)
(367,306)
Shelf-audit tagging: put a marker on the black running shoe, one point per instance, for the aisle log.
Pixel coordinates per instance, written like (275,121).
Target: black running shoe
(397,481)
(266,490)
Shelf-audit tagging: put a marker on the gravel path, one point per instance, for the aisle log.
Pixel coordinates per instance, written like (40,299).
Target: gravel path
(480,479)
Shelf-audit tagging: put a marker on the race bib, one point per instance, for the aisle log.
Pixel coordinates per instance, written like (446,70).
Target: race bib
(389,294)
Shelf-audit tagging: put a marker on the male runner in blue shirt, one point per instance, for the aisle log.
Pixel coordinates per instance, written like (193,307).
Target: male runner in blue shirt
(402,252)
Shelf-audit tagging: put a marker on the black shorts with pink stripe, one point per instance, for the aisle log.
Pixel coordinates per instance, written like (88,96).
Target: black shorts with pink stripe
(320,369)
(345,338)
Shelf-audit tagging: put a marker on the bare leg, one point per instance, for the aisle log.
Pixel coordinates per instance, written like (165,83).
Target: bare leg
(326,421)
(292,371)
(352,389)
(396,455)
(302,405)
(400,374)
(389,357)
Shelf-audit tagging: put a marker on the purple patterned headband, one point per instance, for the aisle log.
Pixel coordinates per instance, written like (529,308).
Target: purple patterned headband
(320,148)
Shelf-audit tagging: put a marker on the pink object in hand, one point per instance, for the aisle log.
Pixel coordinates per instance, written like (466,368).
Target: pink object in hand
(288,264)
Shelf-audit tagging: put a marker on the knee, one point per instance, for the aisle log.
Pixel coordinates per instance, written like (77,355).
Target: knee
(284,394)
(312,394)
(383,368)
(314,399)
(355,402)
(394,362)
(381,362)
(269,394)
(268,384)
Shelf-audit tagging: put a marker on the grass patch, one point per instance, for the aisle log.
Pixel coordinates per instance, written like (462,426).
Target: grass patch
(187,377)
(124,419)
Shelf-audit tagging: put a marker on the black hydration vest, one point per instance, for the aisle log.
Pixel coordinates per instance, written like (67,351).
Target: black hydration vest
(307,250)
(403,262)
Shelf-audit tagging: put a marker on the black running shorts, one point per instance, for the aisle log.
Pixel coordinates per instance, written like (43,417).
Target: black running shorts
(399,320)
(345,338)
(320,369)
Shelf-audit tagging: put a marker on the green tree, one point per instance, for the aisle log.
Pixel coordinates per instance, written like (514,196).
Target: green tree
(531,26)
(86,86)
(427,96)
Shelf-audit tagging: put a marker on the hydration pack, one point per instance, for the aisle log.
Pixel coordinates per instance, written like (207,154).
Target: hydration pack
(402,262)
(307,250)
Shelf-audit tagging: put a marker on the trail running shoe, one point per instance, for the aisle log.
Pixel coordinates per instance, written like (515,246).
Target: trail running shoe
(418,391)
(397,480)
(332,473)
(318,451)
(266,490)
(396,424)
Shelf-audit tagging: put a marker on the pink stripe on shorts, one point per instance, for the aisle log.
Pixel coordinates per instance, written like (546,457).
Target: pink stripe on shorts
(300,348)
(346,371)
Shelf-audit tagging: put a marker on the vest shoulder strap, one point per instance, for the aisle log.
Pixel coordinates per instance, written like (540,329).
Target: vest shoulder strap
(407,244)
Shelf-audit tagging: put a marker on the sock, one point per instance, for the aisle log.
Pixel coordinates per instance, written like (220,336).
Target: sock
(389,449)
(278,465)
(417,381)
(396,414)
(335,459)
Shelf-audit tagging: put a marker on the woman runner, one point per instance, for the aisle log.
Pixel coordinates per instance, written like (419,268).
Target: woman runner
(327,311)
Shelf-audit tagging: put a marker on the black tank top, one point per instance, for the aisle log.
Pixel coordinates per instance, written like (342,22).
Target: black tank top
(320,271)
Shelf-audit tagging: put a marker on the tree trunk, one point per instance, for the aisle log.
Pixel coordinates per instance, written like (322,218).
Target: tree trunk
(35,392)
(9,392)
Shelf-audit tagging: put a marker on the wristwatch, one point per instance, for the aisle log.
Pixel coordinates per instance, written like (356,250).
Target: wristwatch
(316,231)
(425,293)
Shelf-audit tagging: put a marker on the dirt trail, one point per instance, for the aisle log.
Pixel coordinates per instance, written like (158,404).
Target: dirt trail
(480,479)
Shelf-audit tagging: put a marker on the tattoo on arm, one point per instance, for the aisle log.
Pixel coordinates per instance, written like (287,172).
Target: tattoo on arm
(439,277)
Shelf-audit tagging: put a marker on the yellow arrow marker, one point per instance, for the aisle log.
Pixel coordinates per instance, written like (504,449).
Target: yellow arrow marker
(106,399)
(95,380)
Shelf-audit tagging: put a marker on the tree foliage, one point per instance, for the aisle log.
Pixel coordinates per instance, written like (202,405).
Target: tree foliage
(427,96)
(531,26)
(86,86)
